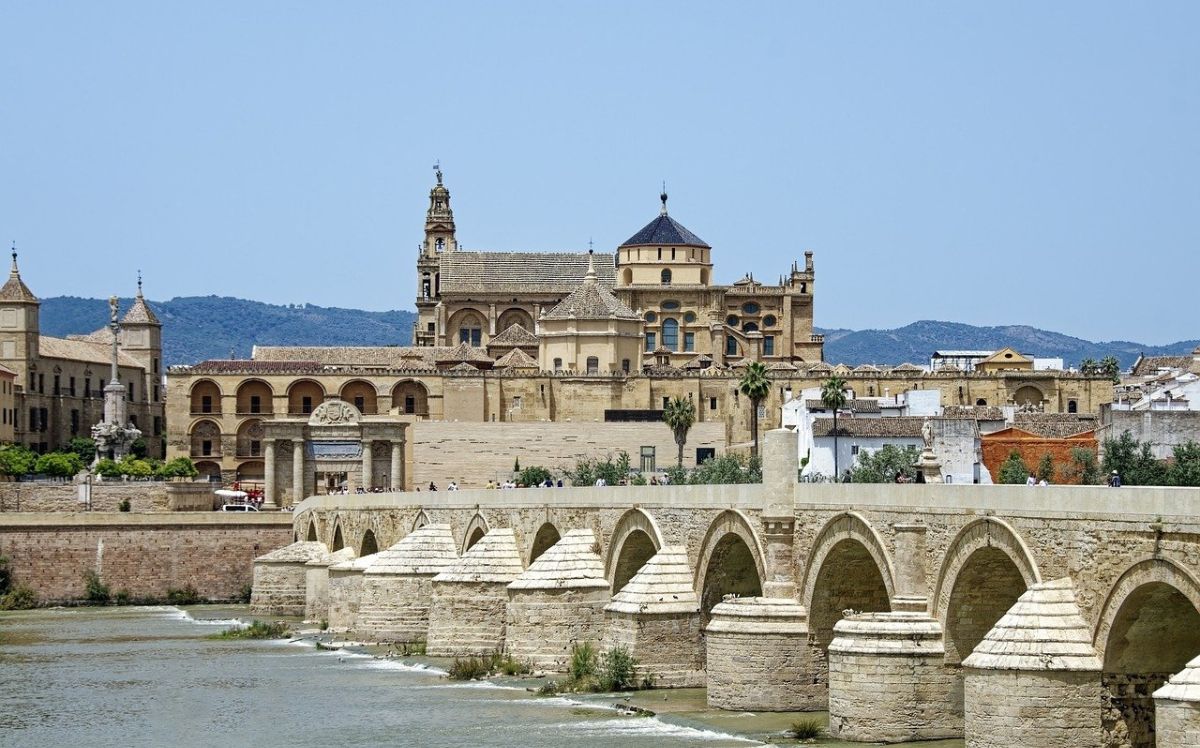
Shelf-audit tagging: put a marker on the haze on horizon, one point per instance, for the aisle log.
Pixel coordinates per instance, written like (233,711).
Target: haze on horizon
(1016,163)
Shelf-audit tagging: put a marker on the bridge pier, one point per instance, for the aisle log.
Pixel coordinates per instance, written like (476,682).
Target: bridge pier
(759,658)
(281,579)
(1035,674)
(316,582)
(469,600)
(397,587)
(1177,709)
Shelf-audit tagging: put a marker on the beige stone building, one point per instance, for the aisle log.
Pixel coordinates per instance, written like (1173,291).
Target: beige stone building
(59,382)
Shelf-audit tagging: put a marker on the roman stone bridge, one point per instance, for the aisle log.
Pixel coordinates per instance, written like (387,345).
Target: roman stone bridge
(1107,581)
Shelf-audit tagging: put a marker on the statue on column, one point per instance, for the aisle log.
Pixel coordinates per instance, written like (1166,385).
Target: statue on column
(114,435)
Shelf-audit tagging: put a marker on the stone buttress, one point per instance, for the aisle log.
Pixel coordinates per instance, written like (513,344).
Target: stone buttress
(281,578)
(397,587)
(557,602)
(656,617)
(470,599)
(887,680)
(345,589)
(1177,709)
(1034,680)
(316,595)
(758,658)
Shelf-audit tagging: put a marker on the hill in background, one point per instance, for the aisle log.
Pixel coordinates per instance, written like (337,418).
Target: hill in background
(196,328)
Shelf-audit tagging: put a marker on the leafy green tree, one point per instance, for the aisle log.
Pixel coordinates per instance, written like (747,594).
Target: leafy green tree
(17,459)
(180,467)
(833,396)
(1084,469)
(1134,461)
(1013,470)
(725,469)
(1185,470)
(135,468)
(884,464)
(586,471)
(107,468)
(58,464)
(679,415)
(755,386)
(84,447)
(533,475)
(1045,468)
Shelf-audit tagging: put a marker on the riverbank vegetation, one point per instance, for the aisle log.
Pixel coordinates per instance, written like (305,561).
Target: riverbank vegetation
(474,668)
(256,630)
(593,672)
(14,596)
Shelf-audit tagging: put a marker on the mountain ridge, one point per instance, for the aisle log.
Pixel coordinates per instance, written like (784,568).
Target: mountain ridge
(196,328)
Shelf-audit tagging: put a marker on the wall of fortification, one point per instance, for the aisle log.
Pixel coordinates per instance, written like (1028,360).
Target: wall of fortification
(144,555)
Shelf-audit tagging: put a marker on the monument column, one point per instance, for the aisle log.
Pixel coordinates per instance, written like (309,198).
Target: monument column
(269,475)
(297,470)
(367,460)
(397,465)
(491,320)
(780,466)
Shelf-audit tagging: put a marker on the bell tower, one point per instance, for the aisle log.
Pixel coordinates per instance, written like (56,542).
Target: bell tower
(19,332)
(439,238)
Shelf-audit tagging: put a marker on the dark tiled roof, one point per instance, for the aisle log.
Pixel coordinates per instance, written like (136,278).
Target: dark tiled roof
(703,361)
(864,405)
(591,300)
(976,412)
(899,426)
(15,289)
(1055,425)
(515,335)
(237,366)
(525,272)
(140,313)
(463,352)
(1148,365)
(664,231)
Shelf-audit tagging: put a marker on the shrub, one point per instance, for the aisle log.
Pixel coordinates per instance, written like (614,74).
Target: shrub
(245,594)
(806,729)
(411,648)
(647,682)
(549,688)
(1045,468)
(256,630)
(583,661)
(186,596)
(324,625)
(180,467)
(618,670)
(58,464)
(124,506)
(884,464)
(17,459)
(533,476)
(135,468)
(468,668)
(1013,469)
(95,590)
(106,468)
(19,597)
(122,597)
(5,575)
(84,447)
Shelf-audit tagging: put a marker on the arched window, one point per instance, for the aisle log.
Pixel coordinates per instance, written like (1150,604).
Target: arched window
(750,327)
(593,365)
(731,346)
(670,333)
(666,277)
(981,401)
(1072,406)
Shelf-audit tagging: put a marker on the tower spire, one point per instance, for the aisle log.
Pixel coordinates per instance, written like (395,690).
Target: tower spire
(139,294)
(663,196)
(590,277)
(14,271)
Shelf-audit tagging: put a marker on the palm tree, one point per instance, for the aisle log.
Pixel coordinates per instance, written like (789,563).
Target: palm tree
(833,395)
(755,385)
(679,415)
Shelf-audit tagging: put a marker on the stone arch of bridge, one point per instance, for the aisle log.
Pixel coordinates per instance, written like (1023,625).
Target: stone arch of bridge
(1149,628)
(847,526)
(313,534)
(545,537)
(731,561)
(338,541)
(986,568)
(476,529)
(369,545)
(419,521)
(635,539)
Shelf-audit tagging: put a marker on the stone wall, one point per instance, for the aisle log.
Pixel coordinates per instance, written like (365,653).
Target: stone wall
(466,618)
(473,453)
(142,554)
(1007,708)
(1164,429)
(542,625)
(143,496)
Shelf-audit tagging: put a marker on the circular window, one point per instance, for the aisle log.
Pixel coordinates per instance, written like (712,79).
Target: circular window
(670,305)
(651,317)
(731,320)
(750,307)
(769,320)
(689,317)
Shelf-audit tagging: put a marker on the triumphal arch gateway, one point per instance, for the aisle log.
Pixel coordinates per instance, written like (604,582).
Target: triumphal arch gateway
(546,357)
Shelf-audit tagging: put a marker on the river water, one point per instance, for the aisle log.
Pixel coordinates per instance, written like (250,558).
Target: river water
(150,676)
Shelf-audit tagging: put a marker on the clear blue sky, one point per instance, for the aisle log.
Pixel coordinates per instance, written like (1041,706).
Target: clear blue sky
(1003,163)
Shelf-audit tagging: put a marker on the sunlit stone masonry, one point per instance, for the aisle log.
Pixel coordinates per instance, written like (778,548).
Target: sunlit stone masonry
(1177,709)
(759,658)
(557,602)
(316,602)
(656,617)
(397,587)
(1035,677)
(345,588)
(281,579)
(470,599)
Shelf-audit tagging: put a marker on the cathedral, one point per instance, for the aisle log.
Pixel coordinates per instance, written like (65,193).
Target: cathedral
(655,292)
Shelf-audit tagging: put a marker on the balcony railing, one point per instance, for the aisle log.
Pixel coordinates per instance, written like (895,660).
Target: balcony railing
(203,412)
(259,412)
(243,454)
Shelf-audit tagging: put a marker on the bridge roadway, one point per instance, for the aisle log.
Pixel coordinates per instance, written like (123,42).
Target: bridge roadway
(957,553)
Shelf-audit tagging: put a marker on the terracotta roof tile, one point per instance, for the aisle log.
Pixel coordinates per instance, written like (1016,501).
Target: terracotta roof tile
(892,426)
